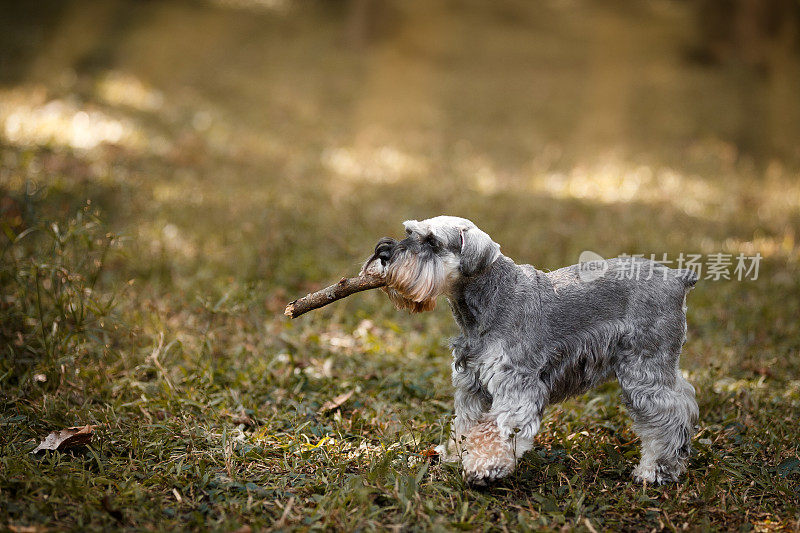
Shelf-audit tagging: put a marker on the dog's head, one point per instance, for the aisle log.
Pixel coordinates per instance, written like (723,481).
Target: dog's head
(435,254)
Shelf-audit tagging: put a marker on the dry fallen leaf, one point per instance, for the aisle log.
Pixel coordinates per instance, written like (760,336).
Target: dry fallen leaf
(336,402)
(242,418)
(430,453)
(66,438)
(23,529)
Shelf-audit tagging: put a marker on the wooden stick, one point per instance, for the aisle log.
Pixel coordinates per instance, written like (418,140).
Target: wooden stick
(345,287)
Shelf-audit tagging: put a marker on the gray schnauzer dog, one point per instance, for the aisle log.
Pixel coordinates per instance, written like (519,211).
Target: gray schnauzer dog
(531,338)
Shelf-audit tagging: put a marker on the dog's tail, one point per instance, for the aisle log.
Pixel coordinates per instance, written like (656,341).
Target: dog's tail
(688,277)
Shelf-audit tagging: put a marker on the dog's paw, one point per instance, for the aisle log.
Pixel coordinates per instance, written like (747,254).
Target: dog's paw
(655,475)
(446,453)
(489,455)
(486,475)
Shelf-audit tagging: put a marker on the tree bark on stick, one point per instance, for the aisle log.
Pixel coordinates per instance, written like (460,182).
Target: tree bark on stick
(345,287)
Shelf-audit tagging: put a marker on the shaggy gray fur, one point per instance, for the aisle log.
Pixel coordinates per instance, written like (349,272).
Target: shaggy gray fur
(531,338)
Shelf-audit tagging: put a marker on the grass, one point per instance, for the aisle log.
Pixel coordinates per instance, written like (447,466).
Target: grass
(218,423)
(144,275)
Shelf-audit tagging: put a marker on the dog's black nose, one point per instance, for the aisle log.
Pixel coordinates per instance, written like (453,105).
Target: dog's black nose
(384,248)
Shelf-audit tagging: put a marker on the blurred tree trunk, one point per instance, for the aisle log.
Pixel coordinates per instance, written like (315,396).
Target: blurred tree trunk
(610,75)
(745,31)
(400,93)
(783,88)
(759,40)
(365,19)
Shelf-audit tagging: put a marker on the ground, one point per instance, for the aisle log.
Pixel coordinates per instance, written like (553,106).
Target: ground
(172,173)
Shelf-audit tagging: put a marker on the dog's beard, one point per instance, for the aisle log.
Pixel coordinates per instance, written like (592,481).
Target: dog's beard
(413,283)
(401,302)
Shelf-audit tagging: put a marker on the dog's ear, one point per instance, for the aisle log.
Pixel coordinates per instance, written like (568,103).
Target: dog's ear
(478,251)
(412,226)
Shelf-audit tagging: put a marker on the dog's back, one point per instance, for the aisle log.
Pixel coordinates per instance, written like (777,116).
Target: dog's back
(591,326)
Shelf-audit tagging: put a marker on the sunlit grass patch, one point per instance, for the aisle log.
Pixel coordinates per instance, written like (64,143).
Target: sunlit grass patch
(29,122)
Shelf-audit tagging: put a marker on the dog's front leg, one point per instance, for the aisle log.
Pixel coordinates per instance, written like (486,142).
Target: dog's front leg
(470,405)
(506,432)
(488,453)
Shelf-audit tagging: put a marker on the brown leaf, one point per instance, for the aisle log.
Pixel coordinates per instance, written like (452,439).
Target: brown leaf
(242,417)
(66,438)
(430,453)
(336,402)
(23,529)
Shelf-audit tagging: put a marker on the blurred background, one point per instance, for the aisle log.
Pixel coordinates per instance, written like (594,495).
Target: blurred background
(173,172)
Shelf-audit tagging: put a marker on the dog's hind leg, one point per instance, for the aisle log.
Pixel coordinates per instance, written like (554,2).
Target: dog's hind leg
(664,411)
